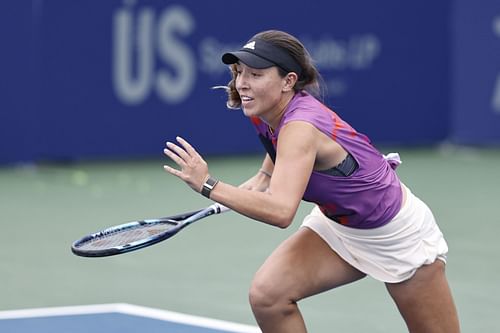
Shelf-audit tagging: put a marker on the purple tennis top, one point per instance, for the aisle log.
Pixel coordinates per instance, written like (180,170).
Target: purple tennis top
(368,198)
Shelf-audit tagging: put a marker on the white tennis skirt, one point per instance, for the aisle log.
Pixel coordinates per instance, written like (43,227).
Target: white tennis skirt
(391,253)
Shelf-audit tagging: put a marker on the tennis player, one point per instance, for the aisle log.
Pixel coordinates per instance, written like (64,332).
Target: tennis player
(365,221)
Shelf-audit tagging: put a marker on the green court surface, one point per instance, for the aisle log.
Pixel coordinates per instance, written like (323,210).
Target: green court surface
(207,268)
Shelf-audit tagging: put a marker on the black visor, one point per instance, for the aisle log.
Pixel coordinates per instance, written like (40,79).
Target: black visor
(260,54)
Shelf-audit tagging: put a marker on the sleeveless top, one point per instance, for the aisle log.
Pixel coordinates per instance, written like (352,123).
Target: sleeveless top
(369,197)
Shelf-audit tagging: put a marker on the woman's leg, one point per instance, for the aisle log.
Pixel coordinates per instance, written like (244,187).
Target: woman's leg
(301,266)
(425,301)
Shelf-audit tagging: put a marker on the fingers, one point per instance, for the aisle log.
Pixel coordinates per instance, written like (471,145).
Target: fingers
(190,150)
(174,157)
(176,154)
(172,171)
(181,153)
(186,152)
(192,167)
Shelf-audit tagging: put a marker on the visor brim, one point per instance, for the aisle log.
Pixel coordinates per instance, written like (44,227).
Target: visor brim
(247,58)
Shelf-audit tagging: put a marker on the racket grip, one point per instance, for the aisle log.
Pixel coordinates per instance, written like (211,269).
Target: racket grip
(220,208)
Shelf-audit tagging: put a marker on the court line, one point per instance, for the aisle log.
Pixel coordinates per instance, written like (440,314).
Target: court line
(130,309)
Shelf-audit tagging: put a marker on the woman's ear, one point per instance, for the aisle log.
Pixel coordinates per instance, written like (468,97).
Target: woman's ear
(289,81)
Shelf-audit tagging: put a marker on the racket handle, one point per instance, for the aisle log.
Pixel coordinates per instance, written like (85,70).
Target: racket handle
(220,208)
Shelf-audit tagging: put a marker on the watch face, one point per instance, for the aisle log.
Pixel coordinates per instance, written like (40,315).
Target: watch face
(210,182)
(208,186)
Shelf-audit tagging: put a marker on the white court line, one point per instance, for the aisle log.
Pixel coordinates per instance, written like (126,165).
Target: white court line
(130,309)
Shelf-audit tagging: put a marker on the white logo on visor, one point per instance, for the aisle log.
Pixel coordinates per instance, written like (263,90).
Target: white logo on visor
(250,45)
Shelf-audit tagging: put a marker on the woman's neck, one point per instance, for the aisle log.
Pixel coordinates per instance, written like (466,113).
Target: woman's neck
(274,118)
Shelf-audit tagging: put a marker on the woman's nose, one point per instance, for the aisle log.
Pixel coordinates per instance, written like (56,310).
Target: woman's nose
(241,82)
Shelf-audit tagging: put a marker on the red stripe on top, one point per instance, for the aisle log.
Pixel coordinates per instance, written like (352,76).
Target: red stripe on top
(256,120)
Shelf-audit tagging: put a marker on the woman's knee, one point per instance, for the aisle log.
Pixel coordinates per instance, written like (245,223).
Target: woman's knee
(267,296)
(261,294)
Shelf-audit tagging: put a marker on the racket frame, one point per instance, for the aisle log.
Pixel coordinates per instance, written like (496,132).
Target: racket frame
(181,221)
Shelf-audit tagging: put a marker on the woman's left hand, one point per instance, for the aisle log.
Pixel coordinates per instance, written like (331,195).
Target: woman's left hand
(193,168)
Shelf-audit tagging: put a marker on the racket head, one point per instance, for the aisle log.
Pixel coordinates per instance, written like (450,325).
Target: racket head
(130,236)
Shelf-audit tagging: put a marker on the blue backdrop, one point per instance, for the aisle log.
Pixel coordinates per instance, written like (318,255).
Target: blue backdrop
(476,72)
(108,79)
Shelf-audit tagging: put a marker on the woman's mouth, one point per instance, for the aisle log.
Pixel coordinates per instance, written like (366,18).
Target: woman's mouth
(246,98)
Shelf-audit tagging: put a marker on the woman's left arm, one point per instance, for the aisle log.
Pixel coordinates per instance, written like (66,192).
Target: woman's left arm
(296,153)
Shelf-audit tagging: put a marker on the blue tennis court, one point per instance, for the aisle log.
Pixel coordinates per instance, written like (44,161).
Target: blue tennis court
(111,318)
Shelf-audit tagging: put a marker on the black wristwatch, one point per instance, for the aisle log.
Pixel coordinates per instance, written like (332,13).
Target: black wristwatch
(208,186)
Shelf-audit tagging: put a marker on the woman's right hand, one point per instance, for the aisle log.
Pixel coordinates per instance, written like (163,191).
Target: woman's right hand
(259,182)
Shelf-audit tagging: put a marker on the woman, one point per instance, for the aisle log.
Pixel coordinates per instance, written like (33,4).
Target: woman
(365,222)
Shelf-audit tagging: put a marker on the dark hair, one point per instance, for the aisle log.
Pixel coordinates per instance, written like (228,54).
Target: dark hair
(309,78)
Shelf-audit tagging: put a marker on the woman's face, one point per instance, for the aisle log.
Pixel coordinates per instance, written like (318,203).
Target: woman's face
(260,90)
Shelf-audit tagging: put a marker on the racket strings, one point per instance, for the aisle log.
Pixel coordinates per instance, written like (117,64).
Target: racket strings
(122,237)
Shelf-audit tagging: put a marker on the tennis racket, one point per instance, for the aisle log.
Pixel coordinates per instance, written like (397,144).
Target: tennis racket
(136,235)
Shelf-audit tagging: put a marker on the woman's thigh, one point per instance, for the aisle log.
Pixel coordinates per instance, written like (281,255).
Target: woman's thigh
(425,300)
(302,266)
